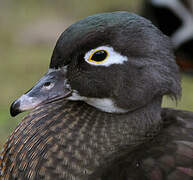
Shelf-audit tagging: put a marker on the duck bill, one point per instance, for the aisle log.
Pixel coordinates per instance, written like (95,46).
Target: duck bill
(51,87)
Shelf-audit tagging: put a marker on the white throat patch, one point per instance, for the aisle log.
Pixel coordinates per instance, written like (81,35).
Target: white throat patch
(113,57)
(104,104)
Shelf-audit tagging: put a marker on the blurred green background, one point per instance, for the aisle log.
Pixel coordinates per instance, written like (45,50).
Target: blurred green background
(28,32)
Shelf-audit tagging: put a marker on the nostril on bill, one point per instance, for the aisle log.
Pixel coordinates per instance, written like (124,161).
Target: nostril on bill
(47,84)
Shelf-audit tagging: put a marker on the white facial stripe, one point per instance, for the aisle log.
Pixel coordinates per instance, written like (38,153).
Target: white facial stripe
(104,104)
(76,97)
(113,57)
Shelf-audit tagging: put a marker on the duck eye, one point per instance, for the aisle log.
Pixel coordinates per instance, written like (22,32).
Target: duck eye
(98,56)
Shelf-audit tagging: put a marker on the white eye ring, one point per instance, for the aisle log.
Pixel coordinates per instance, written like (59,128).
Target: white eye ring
(112,57)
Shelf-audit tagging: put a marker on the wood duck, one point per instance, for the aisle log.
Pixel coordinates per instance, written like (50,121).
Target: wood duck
(175,19)
(97,111)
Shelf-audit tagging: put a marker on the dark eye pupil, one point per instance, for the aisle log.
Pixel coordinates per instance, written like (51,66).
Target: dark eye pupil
(99,55)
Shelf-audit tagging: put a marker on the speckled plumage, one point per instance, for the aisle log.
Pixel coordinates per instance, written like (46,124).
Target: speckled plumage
(169,156)
(57,142)
(68,140)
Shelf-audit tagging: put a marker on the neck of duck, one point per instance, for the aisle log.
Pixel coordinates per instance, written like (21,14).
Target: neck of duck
(94,139)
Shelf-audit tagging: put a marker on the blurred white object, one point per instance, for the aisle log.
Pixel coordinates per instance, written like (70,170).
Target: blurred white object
(175,19)
(185,32)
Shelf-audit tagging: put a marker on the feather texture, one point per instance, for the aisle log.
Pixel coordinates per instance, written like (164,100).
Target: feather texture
(72,140)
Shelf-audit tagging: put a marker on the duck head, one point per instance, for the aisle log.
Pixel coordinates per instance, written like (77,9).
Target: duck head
(116,62)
